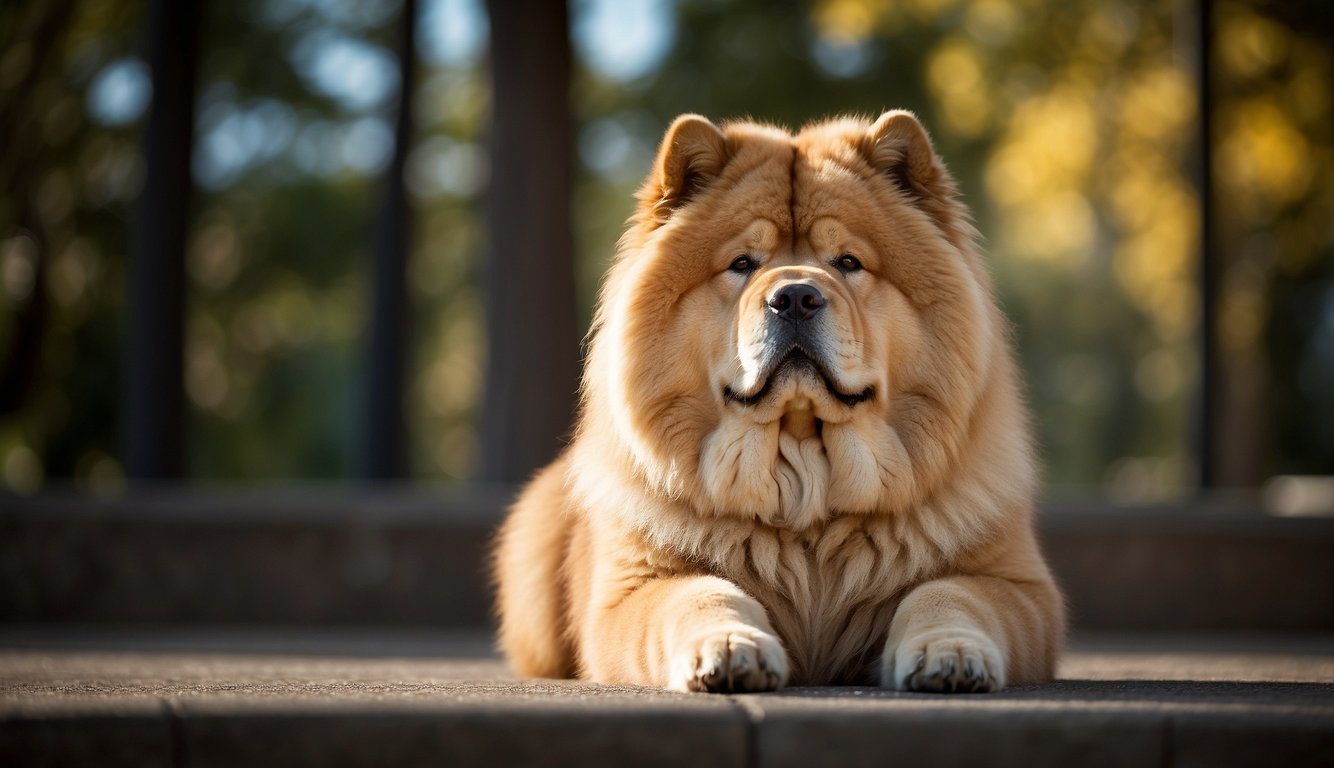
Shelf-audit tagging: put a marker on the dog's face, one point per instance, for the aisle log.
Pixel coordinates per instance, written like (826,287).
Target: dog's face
(796,325)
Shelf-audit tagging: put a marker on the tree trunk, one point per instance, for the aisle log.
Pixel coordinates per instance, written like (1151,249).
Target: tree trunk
(532,349)
(385,448)
(154,431)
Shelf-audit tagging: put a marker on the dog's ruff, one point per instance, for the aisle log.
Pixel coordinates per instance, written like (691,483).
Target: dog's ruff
(758,496)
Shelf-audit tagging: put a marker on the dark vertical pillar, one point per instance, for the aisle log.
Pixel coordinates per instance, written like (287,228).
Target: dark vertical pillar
(1208,416)
(533,342)
(385,449)
(154,433)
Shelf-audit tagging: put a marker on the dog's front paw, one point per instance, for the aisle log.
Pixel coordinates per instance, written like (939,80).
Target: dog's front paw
(735,659)
(945,661)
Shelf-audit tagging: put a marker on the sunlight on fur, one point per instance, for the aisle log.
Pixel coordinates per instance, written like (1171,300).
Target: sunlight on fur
(802,456)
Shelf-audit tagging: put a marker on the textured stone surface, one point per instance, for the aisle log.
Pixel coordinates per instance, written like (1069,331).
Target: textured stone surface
(116,736)
(295,556)
(312,556)
(1182,569)
(1001,732)
(361,697)
(1259,739)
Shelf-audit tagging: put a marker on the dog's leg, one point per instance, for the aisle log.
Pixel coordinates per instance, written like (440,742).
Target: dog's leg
(530,551)
(973,634)
(687,633)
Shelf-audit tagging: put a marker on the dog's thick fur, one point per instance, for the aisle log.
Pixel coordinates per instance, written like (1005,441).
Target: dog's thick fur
(734,515)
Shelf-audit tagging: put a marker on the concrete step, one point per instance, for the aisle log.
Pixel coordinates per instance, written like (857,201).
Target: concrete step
(310,556)
(280,697)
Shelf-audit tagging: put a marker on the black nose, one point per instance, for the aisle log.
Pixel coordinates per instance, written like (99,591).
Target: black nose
(796,301)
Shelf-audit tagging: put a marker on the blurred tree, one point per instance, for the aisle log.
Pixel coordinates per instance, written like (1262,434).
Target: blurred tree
(1071,128)
(69,169)
(294,130)
(532,348)
(42,32)
(154,429)
(384,444)
(1274,173)
(1069,124)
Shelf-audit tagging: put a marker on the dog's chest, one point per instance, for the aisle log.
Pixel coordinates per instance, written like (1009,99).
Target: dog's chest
(830,593)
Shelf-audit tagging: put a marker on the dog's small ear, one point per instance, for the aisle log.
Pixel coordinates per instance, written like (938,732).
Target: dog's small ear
(693,153)
(897,145)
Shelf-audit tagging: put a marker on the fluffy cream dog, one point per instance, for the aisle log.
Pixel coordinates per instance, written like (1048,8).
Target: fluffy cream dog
(802,456)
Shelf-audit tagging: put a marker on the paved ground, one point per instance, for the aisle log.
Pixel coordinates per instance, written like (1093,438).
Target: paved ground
(365,697)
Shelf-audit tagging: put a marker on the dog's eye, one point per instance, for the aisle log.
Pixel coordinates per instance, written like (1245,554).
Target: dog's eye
(743,265)
(847,263)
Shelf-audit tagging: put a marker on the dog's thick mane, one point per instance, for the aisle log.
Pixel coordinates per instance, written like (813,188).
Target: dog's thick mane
(841,568)
(789,535)
(933,433)
(952,460)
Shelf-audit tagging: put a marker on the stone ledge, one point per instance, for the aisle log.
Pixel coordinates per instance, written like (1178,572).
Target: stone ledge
(74,697)
(334,556)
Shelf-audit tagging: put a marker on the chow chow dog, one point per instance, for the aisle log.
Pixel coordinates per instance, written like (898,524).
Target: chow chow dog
(802,455)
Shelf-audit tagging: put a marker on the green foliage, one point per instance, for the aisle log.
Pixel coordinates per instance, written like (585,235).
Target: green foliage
(1069,125)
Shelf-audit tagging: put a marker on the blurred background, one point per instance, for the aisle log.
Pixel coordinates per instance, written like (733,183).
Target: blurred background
(339,240)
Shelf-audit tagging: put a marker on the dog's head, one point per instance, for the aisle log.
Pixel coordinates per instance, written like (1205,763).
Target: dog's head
(794,324)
